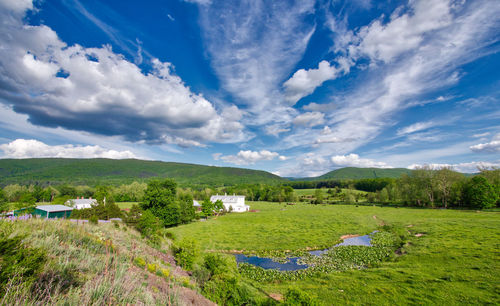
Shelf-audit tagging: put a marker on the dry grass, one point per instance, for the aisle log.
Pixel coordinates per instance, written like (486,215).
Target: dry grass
(94,264)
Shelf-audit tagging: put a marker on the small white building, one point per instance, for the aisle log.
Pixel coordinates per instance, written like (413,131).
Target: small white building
(81,203)
(233,202)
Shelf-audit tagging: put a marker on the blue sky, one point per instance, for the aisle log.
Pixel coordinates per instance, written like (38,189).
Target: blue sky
(297,88)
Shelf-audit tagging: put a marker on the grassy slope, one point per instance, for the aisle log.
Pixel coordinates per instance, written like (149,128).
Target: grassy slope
(103,276)
(455,262)
(95,171)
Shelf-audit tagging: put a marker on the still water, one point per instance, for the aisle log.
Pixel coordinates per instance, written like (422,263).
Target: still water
(292,264)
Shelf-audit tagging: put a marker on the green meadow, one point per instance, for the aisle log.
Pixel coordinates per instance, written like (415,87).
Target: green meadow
(449,257)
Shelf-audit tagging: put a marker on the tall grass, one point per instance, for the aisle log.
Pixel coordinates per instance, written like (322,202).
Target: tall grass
(87,265)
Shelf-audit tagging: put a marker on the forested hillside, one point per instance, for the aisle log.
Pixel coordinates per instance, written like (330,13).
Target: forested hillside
(362,173)
(93,172)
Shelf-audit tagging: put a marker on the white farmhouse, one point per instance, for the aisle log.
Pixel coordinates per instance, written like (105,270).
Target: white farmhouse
(81,203)
(233,202)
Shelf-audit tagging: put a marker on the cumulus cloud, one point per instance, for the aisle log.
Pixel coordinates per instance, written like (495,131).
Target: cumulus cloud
(309,119)
(404,32)
(97,90)
(30,148)
(248,157)
(311,164)
(489,147)
(470,167)
(353,160)
(304,82)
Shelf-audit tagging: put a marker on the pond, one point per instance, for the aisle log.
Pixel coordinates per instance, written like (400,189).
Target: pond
(292,264)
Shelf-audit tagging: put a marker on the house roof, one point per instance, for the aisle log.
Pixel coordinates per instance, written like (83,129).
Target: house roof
(82,201)
(227,198)
(53,208)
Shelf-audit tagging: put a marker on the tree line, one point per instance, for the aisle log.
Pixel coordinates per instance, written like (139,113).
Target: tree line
(427,187)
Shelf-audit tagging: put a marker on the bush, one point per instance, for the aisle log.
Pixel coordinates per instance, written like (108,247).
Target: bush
(225,289)
(148,224)
(140,262)
(296,297)
(186,253)
(151,268)
(164,272)
(94,219)
(18,262)
(218,264)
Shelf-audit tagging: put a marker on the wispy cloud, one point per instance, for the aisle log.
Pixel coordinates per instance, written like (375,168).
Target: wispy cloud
(441,42)
(253,46)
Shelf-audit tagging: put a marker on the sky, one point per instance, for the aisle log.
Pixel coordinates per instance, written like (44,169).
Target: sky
(296,88)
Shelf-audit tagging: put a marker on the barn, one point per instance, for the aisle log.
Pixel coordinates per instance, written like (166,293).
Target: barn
(53,211)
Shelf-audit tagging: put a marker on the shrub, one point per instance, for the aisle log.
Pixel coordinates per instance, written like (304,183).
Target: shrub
(186,253)
(152,268)
(148,224)
(218,264)
(225,289)
(93,219)
(164,272)
(19,262)
(140,262)
(297,297)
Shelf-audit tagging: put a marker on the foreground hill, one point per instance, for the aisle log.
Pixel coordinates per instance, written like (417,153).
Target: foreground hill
(362,173)
(110,171)
(56,262)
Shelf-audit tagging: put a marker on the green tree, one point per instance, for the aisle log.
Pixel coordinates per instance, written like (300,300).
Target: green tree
(444,179)
(318,195)
(160,198)
(207,207)
(479,193)
(186,208)
(3,201)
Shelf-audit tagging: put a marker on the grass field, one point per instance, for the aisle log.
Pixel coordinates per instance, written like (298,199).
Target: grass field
(126,205)
(455,261)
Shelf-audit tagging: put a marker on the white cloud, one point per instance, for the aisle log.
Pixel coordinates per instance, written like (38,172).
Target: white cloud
(489,147)
(30,148)
(276,129)
(248,157)
(367,109)
(419,126)
(315,107)
(309,119)
(304,82)
(311,164)
(102,92)
(353,160)
(252,54)
(481,135)
(404,32)
(470,167)
(200,2)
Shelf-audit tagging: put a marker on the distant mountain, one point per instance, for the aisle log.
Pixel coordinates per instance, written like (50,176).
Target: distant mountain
(111,171)
(361,173)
